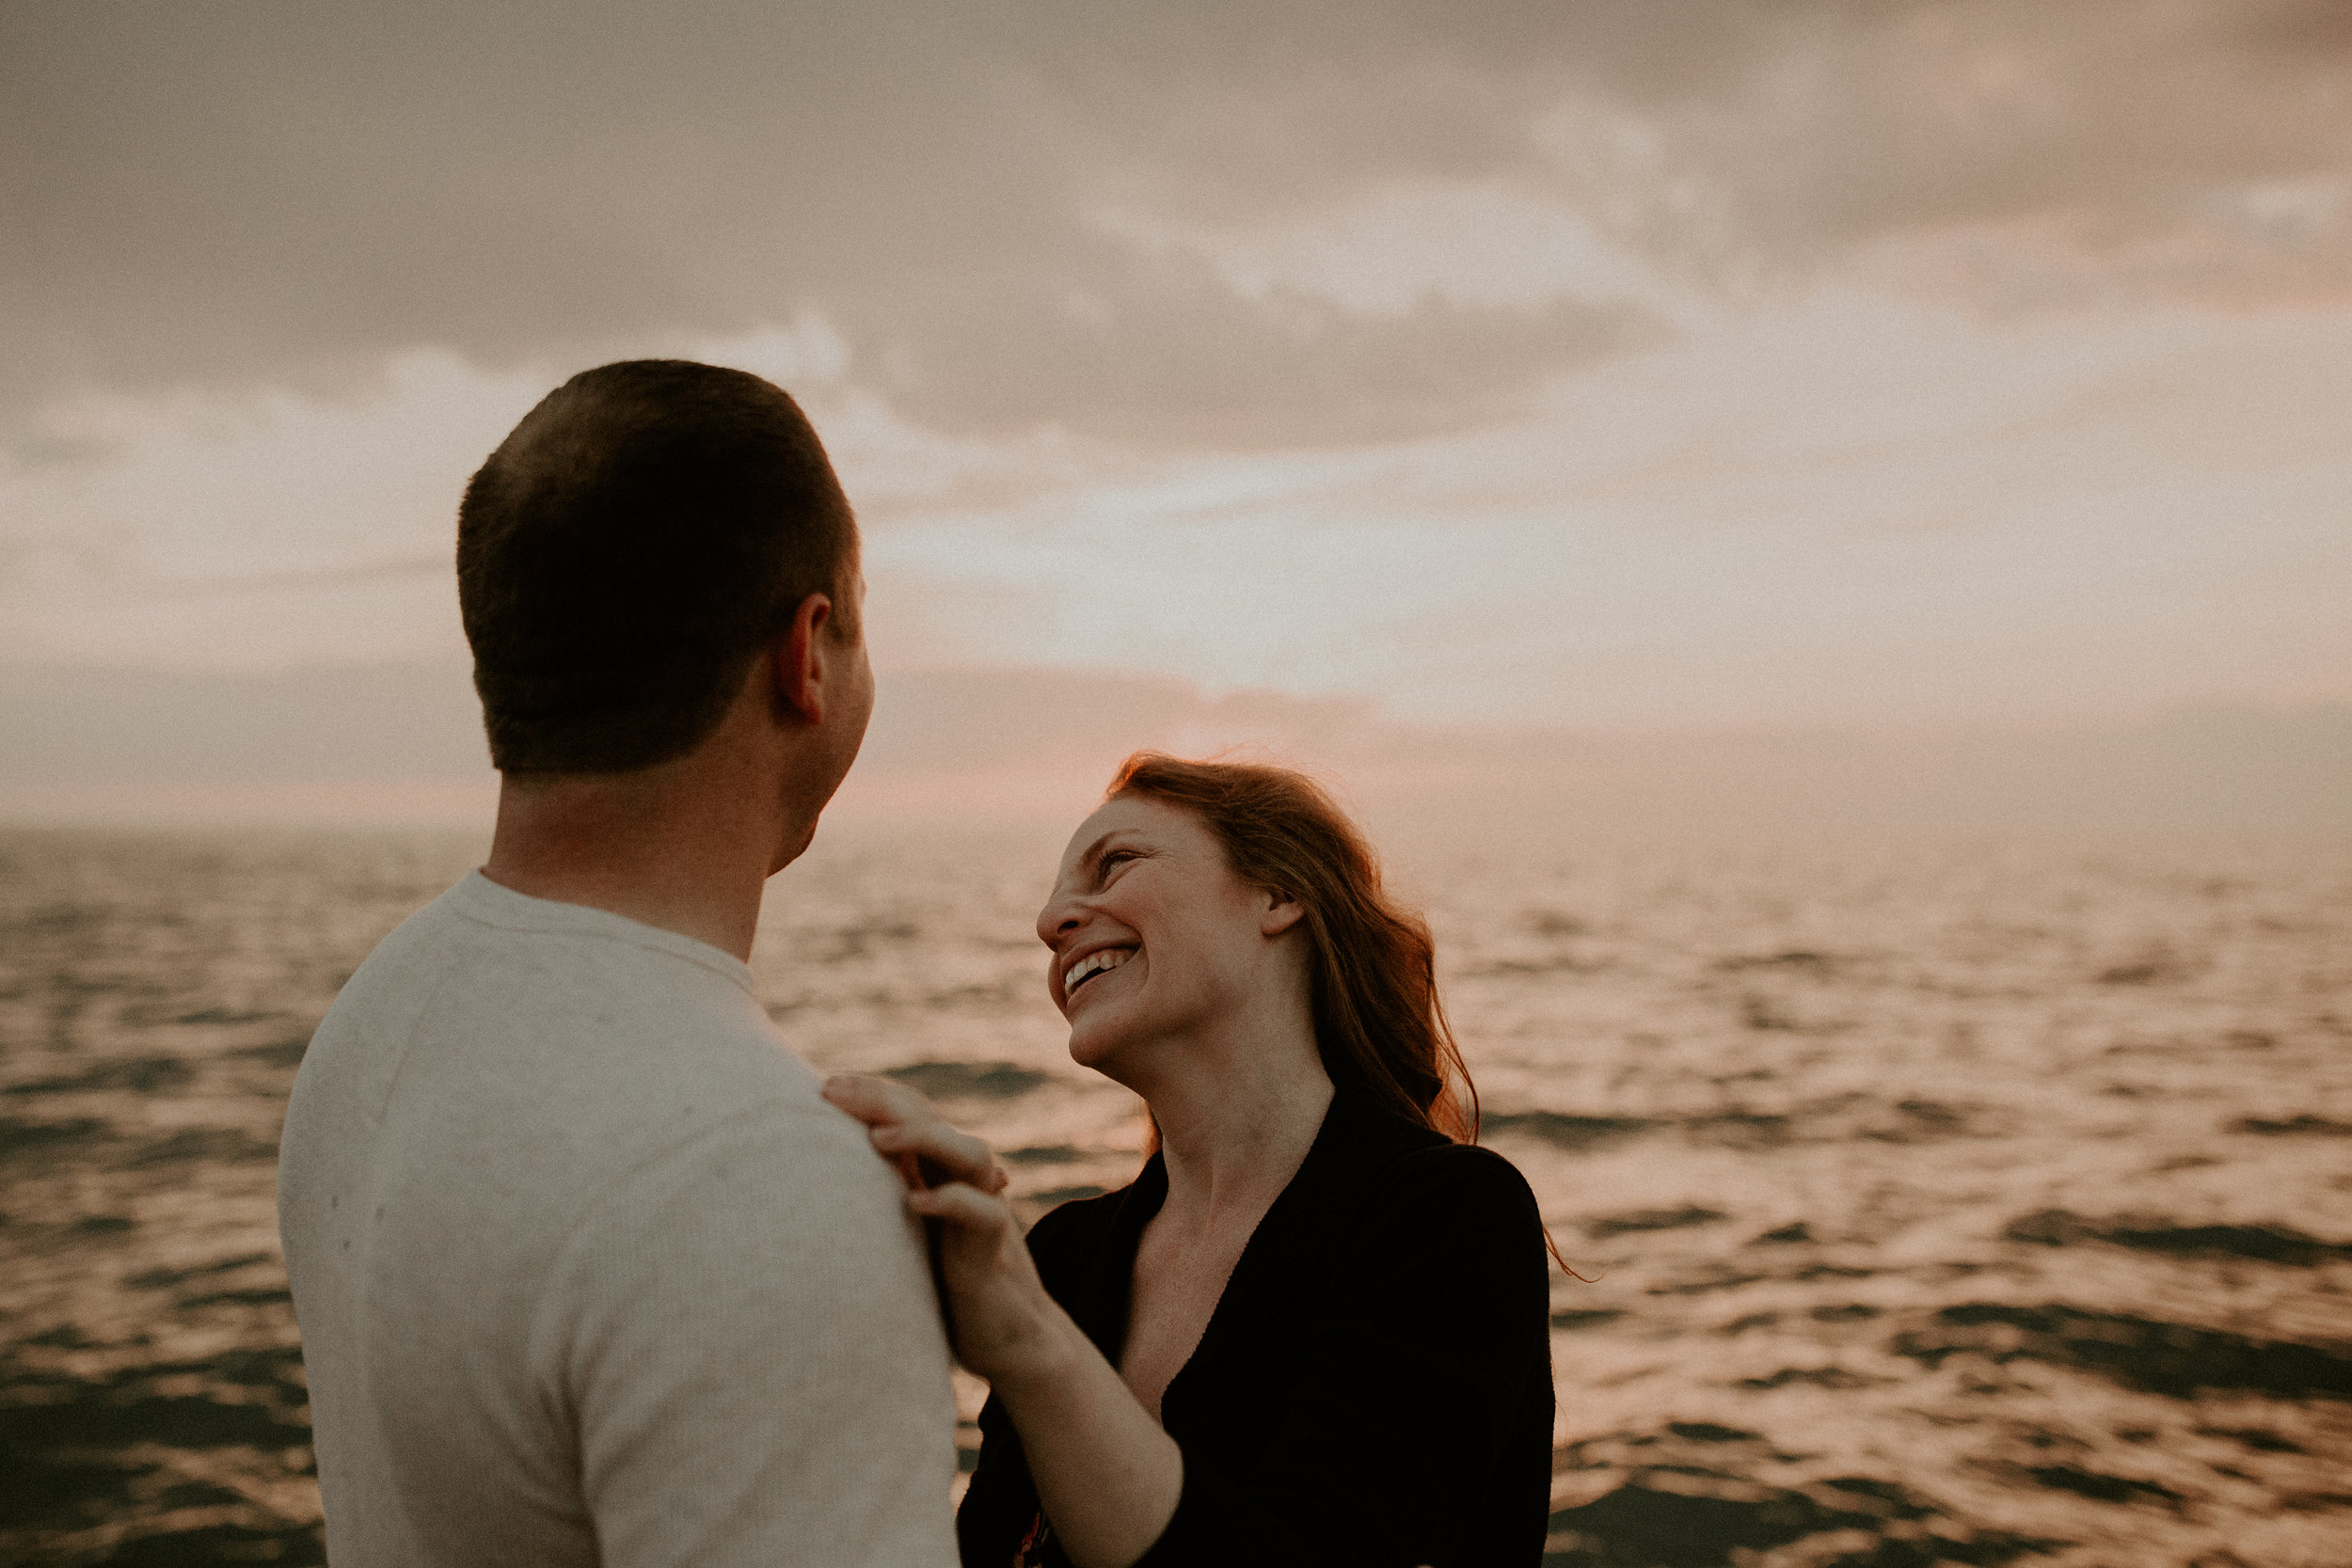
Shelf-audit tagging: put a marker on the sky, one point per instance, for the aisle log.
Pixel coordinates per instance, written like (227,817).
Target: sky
(1421,390)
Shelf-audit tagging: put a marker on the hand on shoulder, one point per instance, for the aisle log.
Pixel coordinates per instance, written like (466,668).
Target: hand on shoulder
(1003,1325)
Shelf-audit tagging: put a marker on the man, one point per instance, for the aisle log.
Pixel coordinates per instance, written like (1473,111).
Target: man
(587,1271)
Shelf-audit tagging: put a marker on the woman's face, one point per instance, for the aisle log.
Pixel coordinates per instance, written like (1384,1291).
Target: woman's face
(1152,936)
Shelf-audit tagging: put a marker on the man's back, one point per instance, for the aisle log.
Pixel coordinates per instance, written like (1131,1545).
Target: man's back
(588,1273)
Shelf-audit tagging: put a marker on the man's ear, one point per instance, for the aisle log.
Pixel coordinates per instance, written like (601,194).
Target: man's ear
(1281,912)
(797,659)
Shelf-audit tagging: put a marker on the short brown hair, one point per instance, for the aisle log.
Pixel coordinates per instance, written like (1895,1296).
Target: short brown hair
(629,547)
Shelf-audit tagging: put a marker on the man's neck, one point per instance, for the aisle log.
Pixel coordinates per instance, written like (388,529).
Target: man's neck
(671,847)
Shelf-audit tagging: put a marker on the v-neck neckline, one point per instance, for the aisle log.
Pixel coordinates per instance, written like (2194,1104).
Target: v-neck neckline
(1108,1294)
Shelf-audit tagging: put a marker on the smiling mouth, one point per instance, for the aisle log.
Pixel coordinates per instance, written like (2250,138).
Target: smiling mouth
(1101,961)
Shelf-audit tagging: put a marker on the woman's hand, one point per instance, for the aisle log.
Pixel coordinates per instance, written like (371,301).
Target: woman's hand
(912,1136)
(1108,1476)
(1006,1327)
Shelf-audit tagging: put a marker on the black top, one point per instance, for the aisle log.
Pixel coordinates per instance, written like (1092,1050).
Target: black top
(1373,1389)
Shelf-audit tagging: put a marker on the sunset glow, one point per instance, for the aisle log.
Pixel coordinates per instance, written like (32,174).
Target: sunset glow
(1597,371)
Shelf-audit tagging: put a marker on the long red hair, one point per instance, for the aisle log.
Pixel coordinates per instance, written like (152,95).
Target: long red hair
(1379,1024)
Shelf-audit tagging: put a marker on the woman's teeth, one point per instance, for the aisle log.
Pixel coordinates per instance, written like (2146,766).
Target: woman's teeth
(1093,964)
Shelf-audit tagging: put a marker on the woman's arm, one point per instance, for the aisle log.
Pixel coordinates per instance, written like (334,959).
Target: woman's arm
(1108,1476)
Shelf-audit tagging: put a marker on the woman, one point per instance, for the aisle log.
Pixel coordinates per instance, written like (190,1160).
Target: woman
(1314,1330)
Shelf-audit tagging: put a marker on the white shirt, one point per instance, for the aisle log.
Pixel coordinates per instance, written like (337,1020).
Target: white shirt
(587,1271)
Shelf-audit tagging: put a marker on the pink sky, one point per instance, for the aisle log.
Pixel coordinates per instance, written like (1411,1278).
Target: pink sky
(1613,372)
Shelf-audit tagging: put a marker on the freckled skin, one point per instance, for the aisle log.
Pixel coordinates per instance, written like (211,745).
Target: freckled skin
(1213,1005)
(1149,876)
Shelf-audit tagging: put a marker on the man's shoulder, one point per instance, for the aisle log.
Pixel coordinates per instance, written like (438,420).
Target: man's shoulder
(520,971)
(567,1046)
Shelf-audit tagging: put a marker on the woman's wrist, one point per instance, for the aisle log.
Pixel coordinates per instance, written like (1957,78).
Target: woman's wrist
(1037,1364)
(1108,1476)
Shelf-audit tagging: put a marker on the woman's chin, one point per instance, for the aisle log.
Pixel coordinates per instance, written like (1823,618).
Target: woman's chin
(1092,1045)
(1086,1049)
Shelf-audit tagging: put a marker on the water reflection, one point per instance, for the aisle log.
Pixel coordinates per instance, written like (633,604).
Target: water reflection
(1944,1201)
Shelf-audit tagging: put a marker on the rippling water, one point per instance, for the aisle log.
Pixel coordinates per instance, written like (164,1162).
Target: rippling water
(1969,1201)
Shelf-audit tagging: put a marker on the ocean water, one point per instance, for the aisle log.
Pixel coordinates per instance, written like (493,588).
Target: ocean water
(1970,1200)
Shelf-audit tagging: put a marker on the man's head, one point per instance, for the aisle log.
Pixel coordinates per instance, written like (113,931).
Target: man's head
(643,535)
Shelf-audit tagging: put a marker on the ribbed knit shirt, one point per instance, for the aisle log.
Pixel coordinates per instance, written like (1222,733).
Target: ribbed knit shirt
(588,1272)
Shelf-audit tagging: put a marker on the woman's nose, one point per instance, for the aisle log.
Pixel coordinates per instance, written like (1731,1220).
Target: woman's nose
(1058,918)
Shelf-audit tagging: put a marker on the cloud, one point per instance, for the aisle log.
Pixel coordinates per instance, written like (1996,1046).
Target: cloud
(1164,353)
(1037,745)
(69,726)
(1854,512)
(288,193)
(2098,137)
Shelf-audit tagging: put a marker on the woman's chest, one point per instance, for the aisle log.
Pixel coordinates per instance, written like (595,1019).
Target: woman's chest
(1173,1293)
(1207,1322)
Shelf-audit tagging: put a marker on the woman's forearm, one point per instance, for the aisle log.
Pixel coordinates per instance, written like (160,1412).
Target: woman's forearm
(1107,1475)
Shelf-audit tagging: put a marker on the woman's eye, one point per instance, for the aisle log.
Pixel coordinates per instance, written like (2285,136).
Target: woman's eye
(1116,857)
